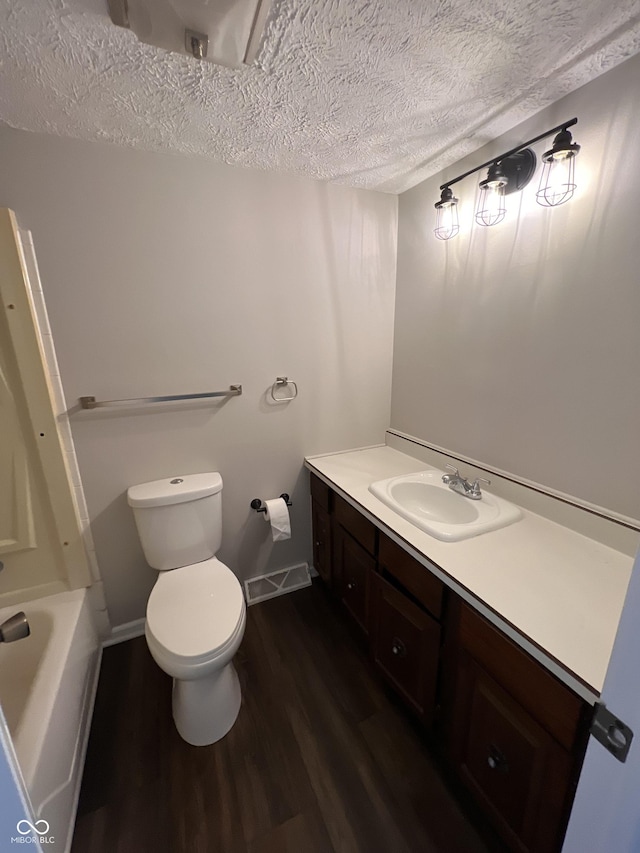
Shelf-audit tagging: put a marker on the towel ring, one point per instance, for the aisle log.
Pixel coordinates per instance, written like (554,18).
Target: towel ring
(283,382)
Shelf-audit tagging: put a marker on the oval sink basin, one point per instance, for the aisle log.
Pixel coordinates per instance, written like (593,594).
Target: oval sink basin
(424,500)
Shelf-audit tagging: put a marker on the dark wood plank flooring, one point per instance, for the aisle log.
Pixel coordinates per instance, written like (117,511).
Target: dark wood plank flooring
(322,758)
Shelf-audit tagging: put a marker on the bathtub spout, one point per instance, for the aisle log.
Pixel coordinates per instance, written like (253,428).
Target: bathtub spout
(15,628)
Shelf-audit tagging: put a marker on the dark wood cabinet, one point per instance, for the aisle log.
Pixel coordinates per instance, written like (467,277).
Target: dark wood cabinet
(321,507)
(353,570)
(516,734)
(510,763)
(321,526)
(359,527)
(412,576)
(405,646)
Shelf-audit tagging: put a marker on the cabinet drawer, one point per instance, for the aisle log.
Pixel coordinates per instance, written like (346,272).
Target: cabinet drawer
(413,576)
(320,492)
(405,646)
(552,704)
(358,526)
(354,568)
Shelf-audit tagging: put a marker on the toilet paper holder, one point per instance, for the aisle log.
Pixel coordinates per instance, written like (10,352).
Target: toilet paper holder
(256,503)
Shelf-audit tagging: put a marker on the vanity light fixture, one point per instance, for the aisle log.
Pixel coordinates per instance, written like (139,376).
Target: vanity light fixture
(491,209)
(511,172)
(557,183)
(447,225)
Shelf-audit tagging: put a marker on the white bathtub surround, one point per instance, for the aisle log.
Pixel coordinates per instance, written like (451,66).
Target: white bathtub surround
(57,396)
(47,690)
(556,592)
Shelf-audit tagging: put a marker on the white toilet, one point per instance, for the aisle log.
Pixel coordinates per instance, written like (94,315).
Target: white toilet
(196,612)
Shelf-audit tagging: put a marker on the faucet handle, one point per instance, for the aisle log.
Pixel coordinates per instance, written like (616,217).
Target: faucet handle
(476,483)
(448,478)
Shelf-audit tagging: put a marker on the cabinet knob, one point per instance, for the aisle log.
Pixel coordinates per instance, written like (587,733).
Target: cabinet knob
(497,759)
(398,647)
(351,585)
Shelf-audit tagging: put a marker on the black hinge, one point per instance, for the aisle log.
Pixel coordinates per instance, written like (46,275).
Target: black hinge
(611,732)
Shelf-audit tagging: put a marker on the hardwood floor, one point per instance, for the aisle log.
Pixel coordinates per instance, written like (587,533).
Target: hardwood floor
(322,758)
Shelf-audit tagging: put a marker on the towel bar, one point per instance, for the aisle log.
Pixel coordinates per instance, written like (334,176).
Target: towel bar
(92,403)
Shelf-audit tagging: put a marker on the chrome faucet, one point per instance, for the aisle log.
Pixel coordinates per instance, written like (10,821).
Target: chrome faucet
(461,485)
(14,628)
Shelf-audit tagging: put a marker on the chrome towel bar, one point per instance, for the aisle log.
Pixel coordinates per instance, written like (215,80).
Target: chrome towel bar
(92,403)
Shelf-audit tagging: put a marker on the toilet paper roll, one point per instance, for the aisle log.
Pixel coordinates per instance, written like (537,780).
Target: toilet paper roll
(277,515)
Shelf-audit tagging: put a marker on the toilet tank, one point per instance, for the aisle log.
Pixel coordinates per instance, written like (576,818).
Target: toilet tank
(179,519)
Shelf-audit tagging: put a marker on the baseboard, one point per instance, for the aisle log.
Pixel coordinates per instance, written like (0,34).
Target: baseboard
(122,633)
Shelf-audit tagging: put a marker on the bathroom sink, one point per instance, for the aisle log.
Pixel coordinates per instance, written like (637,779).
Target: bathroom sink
(424,500)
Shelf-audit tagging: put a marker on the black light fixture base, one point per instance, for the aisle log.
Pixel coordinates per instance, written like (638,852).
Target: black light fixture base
(518,168)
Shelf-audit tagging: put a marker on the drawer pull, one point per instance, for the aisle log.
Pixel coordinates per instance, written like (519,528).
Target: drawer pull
(497,759)
(351,585)
(398,647)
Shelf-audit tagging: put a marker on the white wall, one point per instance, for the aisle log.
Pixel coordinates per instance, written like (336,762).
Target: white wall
(518,345)
(167,274)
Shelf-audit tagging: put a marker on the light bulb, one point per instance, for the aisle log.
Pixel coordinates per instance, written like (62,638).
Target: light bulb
(491,206)
(447,225)
(557,183)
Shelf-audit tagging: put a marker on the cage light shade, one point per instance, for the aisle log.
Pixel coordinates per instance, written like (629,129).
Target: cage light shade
(491,205)
(557,183)
(447,225)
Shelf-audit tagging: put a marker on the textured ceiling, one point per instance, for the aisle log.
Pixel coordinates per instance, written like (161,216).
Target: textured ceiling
(371,93)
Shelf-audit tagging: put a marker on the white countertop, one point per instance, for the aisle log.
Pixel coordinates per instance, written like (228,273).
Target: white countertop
(556,592)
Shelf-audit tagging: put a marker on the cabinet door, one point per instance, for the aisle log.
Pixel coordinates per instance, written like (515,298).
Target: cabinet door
(405,646)
(321,523)
(354,568)
(515,769)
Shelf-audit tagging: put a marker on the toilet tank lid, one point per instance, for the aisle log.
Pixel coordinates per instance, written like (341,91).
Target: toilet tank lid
(175,490)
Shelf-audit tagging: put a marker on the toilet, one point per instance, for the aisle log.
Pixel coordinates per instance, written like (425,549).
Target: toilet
(196,612)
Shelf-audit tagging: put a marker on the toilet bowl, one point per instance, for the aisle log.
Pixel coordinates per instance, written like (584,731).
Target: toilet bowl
(195,623)
(196,612)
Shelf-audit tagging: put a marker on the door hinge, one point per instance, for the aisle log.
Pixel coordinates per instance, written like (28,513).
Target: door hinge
(611,732)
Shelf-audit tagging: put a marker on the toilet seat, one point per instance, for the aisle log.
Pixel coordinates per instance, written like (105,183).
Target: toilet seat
(194,613)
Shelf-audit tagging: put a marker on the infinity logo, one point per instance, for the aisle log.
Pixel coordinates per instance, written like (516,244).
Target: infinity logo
(40,827)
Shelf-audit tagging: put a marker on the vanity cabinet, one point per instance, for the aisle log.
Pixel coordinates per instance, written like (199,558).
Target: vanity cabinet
(321,505)
(405,646)
(353,568)
(516,733)
(354,549)
(510,730)
(406,608)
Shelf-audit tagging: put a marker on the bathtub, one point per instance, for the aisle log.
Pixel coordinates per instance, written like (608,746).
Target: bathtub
(47,689)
